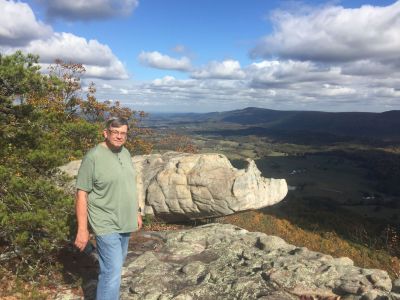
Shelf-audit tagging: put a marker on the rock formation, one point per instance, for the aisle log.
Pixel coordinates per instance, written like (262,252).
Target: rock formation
(189,186)
(219,261)
(181,186)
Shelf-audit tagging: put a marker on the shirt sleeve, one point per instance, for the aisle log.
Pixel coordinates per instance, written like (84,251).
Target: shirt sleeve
(84,180)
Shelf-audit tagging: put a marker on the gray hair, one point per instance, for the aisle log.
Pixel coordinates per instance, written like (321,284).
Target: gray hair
(116,122)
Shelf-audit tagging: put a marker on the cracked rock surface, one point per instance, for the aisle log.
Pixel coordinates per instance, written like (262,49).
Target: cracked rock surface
(222,261)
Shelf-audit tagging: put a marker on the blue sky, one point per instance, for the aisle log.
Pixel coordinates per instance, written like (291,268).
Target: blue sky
(204,55)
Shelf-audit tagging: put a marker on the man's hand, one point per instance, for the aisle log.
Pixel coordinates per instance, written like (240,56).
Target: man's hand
(82,238)
(140,221)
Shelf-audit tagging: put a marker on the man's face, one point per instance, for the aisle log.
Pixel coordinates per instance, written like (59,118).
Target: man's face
(116,136)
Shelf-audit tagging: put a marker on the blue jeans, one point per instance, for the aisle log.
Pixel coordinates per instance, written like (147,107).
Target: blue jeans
(112,249)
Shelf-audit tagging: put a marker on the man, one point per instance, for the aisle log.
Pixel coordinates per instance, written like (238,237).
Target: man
(106,197)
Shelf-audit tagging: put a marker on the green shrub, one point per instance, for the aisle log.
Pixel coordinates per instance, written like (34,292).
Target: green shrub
(34,222)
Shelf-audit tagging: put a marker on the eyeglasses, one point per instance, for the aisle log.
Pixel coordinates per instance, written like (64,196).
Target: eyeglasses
(117,133)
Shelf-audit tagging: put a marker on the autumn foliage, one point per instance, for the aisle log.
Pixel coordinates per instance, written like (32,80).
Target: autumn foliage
(178,143)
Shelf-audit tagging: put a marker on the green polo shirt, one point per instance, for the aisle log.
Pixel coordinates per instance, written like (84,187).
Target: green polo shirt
(110,180)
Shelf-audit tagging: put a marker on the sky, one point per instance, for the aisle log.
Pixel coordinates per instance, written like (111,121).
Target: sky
(219,55)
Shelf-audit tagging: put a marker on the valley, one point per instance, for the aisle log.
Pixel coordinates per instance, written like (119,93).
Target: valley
(338,184)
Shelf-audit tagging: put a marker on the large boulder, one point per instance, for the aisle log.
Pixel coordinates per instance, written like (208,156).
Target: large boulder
(222,261)
(181,186)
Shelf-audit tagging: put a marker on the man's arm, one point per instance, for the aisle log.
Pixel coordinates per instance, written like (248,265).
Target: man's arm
(82,236)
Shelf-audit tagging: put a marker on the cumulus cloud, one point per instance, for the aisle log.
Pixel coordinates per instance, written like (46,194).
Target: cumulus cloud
(18,24)
(171,81)
(84,10)
(97,58)
(202,95)
(71,48)
(334,34)
(115,70)
(227,69)
(279,84)
(160,61)
(19,30)
(282,73)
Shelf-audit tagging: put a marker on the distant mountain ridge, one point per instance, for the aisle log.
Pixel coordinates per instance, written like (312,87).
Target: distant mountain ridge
(383,126)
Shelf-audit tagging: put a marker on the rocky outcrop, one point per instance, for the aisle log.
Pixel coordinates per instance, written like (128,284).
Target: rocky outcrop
(182,186)
(221,261)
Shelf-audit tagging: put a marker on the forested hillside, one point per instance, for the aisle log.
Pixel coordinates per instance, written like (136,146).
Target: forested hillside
(301,126)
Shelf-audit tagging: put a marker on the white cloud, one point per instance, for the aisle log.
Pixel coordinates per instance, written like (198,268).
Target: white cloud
(159,61)
(97,58)
(281,74)
(18,24)
(335,34)
(280,85)
(331,58)
(165,81)
(334,93)
(71,48)
(336,90)
(115,70)
(31,36)
(84,10)
(227,69)
(170,84)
